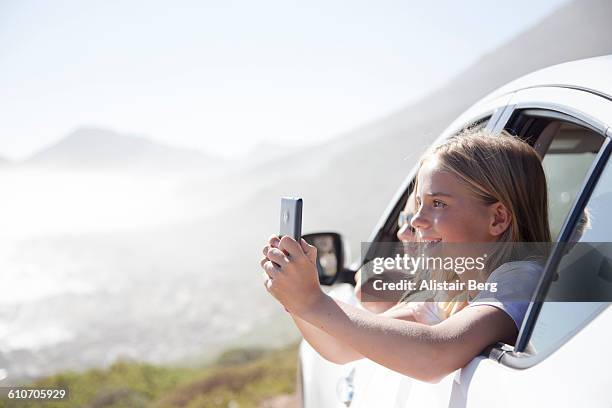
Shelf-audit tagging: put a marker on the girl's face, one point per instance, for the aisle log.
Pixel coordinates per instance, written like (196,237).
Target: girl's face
(447,211)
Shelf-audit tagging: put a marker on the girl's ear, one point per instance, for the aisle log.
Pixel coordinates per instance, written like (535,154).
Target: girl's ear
(500,219)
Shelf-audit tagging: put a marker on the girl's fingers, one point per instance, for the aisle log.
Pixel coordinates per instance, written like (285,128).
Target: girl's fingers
(309,250)
(290,246)
(273,241)
(266,280)
(277,256)
(304,245)
(263,261)
(271,269)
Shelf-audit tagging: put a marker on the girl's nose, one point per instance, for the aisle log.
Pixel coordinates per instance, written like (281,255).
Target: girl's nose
(420,220)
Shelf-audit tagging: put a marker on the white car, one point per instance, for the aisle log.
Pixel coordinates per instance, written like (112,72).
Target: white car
(560,358)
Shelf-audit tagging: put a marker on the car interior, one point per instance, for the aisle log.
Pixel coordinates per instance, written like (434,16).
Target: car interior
(568,148)
(581,285)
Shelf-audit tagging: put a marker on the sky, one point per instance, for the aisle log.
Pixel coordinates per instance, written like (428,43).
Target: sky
(223,76)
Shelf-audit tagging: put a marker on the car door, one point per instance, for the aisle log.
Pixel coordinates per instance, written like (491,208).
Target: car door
(559,359)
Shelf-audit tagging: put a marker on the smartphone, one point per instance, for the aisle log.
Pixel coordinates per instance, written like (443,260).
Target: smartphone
(291,217)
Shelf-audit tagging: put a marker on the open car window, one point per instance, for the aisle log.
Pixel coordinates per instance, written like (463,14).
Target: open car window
(567,160)
(573,155)
(582,285)
(568,150)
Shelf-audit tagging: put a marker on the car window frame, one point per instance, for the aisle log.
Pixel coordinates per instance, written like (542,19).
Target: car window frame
(599,164)
(515,357)
(539,113)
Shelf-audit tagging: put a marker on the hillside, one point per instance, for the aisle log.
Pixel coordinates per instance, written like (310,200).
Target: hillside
(249,377)
(101,149)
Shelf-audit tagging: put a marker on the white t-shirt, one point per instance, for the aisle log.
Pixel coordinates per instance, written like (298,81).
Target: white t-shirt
(516,283)
(428,313)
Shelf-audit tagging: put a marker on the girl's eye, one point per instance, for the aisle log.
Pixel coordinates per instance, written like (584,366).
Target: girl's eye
(438,204)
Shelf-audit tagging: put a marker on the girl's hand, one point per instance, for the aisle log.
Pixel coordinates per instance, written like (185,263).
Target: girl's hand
(292,273)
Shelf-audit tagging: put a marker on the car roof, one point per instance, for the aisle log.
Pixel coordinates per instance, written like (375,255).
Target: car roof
(591,74)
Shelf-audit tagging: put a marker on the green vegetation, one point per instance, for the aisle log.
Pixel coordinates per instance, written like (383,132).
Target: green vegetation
(239,378)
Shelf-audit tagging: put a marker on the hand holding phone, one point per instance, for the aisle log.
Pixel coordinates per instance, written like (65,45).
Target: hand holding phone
(291,217)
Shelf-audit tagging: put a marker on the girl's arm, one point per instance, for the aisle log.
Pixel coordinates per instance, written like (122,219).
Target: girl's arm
(327,346)
(427,353)
(424,352)
(330,347)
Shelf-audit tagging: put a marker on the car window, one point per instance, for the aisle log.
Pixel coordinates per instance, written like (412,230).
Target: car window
(566,162)
(583,279)
(568,150)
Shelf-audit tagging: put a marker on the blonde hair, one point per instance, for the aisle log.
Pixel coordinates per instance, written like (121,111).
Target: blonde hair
(495,169)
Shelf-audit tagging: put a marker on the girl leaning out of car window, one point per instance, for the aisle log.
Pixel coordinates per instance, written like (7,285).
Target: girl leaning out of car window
(473,188)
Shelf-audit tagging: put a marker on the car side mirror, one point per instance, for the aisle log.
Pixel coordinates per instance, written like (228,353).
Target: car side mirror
(330,255)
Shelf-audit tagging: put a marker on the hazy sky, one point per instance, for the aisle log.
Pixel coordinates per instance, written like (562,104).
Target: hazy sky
(222,76)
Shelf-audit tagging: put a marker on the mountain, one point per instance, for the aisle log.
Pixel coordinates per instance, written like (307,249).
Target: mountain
(94,148)
(262,154)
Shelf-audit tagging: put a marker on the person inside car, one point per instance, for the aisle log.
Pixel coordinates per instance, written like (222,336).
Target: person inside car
(473,188)
(405,234)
